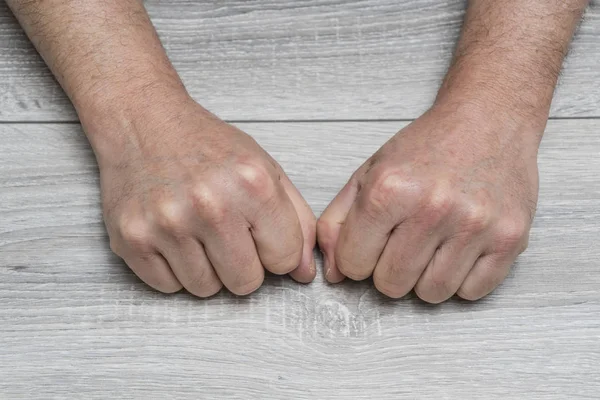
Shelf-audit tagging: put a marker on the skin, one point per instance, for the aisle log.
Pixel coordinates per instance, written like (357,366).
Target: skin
(446,205)
(189,201)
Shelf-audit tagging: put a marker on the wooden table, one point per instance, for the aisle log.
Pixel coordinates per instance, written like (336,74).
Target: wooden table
(320,84)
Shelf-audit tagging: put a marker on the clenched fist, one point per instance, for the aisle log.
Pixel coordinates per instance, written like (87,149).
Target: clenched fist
(190,201)
(444,207)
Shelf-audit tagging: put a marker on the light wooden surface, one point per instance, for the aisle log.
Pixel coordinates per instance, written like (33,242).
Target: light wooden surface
(75,323)
(73,319)
(299,59)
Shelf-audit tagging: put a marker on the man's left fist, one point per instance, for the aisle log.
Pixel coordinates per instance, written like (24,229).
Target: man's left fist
(444,207)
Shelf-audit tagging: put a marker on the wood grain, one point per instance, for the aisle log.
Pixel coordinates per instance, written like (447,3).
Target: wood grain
(74,322)
(298,60)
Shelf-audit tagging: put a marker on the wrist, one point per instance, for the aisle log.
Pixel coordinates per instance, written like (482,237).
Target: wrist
(496,106)
(498,93)
(130,92)
(122,119)
(488,118)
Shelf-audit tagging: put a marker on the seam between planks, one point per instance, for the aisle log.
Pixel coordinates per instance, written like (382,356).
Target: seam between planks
(281,121)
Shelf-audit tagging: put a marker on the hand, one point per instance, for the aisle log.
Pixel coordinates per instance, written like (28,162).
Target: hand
(443,207)
(192,201)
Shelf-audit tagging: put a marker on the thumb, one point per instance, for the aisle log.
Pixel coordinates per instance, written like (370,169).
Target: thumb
(306,270)
(329,226)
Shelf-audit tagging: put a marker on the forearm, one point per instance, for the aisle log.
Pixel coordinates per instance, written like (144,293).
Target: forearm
(509,56)
(105,54)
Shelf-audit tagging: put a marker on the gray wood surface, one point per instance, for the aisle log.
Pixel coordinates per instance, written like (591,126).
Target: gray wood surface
(75,323)
(299,59)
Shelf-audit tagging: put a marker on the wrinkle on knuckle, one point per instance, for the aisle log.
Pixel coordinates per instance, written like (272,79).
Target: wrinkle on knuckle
(168,288)
(399,266)
(349,268)
(390,289)
(243,285)
(469,295)
(425,295)
(198,278)
(152,276)
(435,289)
(203,285)
(281,264)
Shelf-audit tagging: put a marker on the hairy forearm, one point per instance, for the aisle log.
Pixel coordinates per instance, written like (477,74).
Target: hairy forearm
(105,54)
(509,56)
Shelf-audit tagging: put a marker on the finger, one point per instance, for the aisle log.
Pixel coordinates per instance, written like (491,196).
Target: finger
(192,267)
(131,238)
(485,276)
(329,225)
(275,228)
(154,270)
(306,270)
(232,252)
(405,257)
(364,234)
(447,270)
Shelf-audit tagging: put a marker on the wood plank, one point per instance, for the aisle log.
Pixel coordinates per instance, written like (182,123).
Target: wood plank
(298,59)
(74,322)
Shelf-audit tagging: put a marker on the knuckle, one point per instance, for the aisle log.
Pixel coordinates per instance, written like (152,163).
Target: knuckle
(524,245)
(169,215)
(349,269)
(168,287)
(114,245)
(204,197)
(437,206)
(208,204)
(285,264)
(434,290)
(388,182)
(245,285)
(256,179)
(203,286)
(469,294)
(136,234)
(197,279)
(325,233)
(397,270)
(425,295)
(476,218)
(388,186)
(512,235)
(161,282)
(389,289)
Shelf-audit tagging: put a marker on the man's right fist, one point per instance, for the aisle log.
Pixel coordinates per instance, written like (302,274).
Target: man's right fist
(191,201)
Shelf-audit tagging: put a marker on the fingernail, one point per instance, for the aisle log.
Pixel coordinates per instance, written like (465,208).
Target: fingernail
(326,266)
(312,266)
